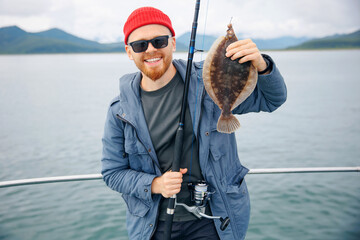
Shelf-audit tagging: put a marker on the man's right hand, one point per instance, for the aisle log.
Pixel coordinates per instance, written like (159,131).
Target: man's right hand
(169,183)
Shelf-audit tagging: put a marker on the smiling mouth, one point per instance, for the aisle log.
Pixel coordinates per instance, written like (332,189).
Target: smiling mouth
(153,60)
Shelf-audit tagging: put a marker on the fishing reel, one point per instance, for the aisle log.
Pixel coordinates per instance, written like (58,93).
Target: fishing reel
(201,196)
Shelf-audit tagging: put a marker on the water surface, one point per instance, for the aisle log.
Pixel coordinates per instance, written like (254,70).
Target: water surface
(53,109)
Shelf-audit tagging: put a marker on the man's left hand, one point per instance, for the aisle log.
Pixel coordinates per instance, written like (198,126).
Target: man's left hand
(246,50)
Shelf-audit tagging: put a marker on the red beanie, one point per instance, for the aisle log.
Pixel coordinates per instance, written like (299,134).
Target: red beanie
(145,16)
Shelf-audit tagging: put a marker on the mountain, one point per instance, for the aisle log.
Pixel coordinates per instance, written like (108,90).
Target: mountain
(183,42)
(278,43)
(58,34)
(351,40)
(274,43)
(14,40)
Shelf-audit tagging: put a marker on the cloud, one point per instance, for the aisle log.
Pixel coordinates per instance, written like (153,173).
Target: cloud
(24,8)
(104,20)
(259,18)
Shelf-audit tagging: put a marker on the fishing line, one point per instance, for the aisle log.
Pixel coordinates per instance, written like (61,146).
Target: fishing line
(197,91)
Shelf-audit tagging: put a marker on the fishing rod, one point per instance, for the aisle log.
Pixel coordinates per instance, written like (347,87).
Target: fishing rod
(179,139)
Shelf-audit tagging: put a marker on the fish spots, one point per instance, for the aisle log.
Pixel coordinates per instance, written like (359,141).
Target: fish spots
(226,81)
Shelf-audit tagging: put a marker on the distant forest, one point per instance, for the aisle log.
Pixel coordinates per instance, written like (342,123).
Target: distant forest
(14,40)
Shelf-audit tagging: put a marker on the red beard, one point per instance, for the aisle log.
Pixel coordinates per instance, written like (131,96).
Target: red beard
(157,72)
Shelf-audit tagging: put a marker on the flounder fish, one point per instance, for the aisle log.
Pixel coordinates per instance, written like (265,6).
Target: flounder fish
(227,81)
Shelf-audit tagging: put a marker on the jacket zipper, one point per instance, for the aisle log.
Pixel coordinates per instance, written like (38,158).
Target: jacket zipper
(201,100)
(198,130)
(137,136)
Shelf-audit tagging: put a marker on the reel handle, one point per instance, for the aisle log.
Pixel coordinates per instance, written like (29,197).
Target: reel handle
(224,223)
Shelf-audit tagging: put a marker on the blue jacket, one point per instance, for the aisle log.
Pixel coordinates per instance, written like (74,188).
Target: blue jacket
(129,162)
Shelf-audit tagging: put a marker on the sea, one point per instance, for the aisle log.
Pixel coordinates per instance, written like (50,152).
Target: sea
(52,113)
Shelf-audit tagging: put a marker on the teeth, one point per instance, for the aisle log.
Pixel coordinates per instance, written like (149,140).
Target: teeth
(152,60)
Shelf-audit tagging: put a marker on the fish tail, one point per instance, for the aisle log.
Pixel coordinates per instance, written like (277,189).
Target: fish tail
(227,124)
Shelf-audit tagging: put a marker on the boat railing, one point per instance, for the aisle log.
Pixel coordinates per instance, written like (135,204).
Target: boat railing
(85,177)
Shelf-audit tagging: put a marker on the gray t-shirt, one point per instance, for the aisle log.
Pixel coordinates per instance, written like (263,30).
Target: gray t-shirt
(162,113)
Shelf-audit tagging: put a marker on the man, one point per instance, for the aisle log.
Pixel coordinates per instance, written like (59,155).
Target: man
(140,129)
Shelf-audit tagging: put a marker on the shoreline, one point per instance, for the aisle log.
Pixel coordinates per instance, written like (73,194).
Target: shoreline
(262,50)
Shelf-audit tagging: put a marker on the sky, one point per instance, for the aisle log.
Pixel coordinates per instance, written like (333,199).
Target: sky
(103,20)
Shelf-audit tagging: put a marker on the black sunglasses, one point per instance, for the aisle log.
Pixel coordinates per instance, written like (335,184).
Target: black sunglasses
(142,45)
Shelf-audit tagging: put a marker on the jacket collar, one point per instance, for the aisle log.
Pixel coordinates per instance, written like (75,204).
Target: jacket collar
(131,108)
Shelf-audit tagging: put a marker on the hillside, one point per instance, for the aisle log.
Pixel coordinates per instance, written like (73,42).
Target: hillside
(184,40)
(262,44)
(14,40)
(343,41)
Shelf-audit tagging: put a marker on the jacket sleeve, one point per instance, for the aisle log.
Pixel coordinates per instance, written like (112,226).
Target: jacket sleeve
(269,93)
(115,163)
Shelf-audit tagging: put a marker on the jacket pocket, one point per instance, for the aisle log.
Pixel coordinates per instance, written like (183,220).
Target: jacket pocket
(239,203)
(235,181)
(236,191)
(139,159)
(133,146)
(136,206)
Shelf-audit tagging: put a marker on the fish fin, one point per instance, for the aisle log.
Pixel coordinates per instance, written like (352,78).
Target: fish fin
(248,88)
(227,124)
(207,69)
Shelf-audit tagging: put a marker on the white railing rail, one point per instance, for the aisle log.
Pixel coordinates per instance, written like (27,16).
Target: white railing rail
(32,181)
(72,178)
(304,170)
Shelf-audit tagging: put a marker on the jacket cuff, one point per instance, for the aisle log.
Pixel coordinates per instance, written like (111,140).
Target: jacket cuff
(271,79)
(145,189)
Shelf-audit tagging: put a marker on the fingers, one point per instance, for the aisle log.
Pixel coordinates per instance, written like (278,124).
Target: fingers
(171,174)
(171,182)
(245,50)
(237,50)
(170,189)
(240,45)
(172,179)
(251,57)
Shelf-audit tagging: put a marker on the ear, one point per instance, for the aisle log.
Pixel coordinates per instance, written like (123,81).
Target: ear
(128,51)
(174,43)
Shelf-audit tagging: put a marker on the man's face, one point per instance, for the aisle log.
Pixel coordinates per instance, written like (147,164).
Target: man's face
(153,62)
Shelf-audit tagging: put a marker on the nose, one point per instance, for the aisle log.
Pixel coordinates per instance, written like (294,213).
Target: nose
(150,48)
